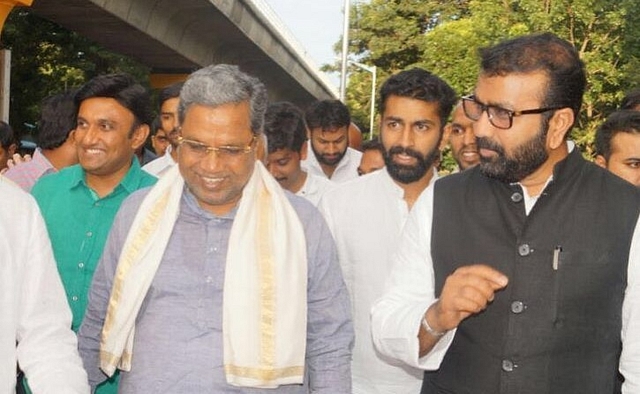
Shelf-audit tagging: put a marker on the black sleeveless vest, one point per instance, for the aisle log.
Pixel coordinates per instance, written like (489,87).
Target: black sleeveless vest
(556,327)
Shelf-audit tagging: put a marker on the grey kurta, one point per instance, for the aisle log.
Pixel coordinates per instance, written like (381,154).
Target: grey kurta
(178,340)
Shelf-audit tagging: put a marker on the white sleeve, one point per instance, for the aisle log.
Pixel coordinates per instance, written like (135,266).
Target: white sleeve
(47,347)
(410,290)
(630,358)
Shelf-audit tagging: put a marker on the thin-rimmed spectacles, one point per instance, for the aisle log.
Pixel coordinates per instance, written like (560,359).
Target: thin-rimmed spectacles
(199,150)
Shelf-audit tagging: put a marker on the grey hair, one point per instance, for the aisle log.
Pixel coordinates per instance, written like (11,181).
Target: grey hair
(221,84)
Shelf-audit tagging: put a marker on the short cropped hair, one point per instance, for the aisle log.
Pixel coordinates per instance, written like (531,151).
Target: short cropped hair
(631,100)
(327,115)
(547,53)
(221,84)
(169,92)
(58,115)
(155,125)
(7,136)
(284,127)
(421,85)
(125,90)
(374,144)
(622,121)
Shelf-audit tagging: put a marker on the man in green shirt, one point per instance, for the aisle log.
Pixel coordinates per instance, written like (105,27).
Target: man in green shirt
(80,202)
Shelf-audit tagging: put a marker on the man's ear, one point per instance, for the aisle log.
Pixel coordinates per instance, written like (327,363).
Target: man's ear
(261,148)
(559,125)
(601,161)
(303,150)
(139,136)
(12,149)
(71,137)
(446,134)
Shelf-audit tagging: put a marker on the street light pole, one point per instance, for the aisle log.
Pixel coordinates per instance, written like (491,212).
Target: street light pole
(345,53)
(373,71)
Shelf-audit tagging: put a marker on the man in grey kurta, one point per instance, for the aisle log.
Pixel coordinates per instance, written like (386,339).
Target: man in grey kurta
(185,356)
(179,329)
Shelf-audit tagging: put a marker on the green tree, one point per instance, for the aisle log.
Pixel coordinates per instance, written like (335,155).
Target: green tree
(47,59)
(444,37)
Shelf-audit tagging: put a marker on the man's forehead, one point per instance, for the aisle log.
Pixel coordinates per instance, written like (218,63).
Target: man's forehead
(103,108)
(330,132)
(510,89)
(397,105)
(281,154)
(170,105)
(626,140)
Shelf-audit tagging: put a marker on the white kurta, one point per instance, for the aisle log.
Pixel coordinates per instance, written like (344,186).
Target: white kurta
(160,165)
(314,188)
(366,217)
(346,170)
(35,313)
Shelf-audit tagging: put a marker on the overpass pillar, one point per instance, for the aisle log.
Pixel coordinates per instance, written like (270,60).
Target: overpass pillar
(5,57)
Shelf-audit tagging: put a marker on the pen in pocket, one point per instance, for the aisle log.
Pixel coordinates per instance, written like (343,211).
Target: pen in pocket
(556,257)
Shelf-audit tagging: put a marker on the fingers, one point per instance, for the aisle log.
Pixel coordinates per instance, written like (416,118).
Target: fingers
(17,159)
(467,291)
(495,278)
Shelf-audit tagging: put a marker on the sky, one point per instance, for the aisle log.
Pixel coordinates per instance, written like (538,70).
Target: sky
(316,24)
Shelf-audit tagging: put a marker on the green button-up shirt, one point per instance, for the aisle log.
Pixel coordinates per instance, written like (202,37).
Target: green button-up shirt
(78,222)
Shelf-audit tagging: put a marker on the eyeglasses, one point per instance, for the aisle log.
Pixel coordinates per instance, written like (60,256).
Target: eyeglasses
(499,117)
(200,150)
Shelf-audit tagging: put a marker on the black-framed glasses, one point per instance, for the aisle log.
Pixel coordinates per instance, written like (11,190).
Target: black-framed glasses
(199,150)
(499,117)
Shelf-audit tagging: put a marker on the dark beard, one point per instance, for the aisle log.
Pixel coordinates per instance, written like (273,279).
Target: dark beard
(527,158)
(408,174)
(322,160)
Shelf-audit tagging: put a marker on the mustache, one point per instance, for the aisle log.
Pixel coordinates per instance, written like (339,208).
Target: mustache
(485,143)
(397,150)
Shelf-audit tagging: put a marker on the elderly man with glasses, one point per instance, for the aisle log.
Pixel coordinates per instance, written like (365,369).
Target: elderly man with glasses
(217,280)
(521,274)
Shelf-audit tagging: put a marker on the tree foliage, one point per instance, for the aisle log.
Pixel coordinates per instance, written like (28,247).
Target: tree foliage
(444,37)
(47,59)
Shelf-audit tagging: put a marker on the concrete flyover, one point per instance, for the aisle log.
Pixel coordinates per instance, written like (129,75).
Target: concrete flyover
(178,36)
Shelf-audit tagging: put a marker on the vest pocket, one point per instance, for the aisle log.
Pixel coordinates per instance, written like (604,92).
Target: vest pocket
(583,282)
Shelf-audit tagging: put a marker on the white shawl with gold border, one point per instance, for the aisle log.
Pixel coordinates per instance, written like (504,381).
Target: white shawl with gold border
(265,288)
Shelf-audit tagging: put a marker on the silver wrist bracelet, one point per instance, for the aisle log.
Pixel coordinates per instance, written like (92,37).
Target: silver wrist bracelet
(429,330)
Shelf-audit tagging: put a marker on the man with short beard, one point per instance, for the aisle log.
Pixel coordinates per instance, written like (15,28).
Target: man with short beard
(462,140)
(169,99)
(330,155)
(520,274)
(366,215)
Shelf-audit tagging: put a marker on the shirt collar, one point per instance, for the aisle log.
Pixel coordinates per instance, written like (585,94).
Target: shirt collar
(392,185)
(129,182)
(41,160)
